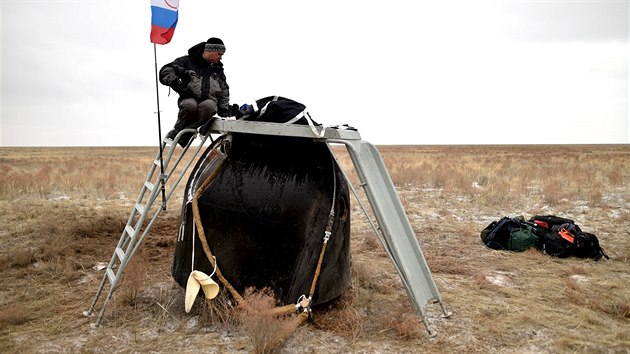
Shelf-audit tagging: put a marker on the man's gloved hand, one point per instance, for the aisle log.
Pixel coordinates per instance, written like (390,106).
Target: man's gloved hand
(223,112)
(193,85)
(230,111)
(180,83)
(190,74)
(235,111)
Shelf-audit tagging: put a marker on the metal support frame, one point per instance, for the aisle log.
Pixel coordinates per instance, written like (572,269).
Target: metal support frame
(396,233)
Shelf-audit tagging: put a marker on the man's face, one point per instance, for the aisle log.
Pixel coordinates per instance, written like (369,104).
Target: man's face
(212,56)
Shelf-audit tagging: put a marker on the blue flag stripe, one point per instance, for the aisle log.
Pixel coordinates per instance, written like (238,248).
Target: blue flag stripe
(162,17)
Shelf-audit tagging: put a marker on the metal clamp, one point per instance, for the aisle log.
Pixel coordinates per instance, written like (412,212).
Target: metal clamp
(326,238)
(304,305)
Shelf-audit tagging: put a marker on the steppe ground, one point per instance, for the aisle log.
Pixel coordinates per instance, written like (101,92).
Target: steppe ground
(63,210)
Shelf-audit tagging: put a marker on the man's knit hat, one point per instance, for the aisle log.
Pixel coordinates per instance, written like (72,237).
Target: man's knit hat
(214,44)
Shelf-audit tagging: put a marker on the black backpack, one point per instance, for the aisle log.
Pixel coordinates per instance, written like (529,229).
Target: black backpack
(566,240)
(277,109)
(558,241)
(587,246)
(513,234)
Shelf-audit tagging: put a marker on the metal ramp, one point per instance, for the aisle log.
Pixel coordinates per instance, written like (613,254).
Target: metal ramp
(396,233)
(138,226)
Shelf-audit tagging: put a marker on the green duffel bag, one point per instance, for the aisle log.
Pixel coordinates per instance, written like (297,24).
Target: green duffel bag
(522,238)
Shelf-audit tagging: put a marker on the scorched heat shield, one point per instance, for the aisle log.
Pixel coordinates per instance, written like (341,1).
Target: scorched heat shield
(264,210)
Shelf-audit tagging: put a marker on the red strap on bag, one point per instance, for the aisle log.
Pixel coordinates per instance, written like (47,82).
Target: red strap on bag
(541,223)
(566,235)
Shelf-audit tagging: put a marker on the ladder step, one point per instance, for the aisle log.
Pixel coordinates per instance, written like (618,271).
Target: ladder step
(130,231)
(120,253)
(137,227)
(110,275)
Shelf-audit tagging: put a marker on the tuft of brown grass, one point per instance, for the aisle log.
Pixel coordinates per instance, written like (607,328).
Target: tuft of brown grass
(617,309)
(405,324)
(19,258)
(14,315)
(221,312)
(342,318)
(133,280)
(362,275)
(266,331)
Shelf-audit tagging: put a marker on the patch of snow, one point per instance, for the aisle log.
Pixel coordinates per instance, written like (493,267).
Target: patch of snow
(457,217)
(38,265)
(614,214)
(85,279)
(583,207)
(100,266)
(499,278)
(579,278)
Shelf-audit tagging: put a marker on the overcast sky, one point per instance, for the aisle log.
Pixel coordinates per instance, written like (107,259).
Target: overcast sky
(81,73)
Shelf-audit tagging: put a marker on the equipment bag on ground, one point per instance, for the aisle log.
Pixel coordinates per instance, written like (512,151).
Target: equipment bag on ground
(563,238)
(512,234)
(554,235)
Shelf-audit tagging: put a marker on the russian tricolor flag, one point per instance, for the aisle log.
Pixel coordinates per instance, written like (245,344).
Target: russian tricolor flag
(163,20)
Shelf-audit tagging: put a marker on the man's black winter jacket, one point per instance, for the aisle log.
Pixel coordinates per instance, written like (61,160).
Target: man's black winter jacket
(193,76)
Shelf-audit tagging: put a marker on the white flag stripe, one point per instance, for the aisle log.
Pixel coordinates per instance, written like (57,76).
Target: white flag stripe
(172,5)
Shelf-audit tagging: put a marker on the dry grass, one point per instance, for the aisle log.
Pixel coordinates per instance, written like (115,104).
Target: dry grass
(63,210)
(266,331)
(221,313)
(134,280)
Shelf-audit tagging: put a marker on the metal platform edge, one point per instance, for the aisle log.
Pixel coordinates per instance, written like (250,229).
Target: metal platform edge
(222,125)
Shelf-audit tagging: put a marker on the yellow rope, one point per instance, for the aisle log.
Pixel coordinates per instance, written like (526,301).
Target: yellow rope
(303,316)
(202,236)
(318,269)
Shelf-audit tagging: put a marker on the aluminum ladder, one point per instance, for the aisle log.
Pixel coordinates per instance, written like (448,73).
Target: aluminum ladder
(137,226)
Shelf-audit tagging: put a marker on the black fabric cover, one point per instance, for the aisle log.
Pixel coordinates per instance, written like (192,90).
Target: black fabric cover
(277,109)
(265,214)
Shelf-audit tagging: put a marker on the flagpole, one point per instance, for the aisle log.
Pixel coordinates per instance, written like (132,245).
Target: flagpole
(157,95)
